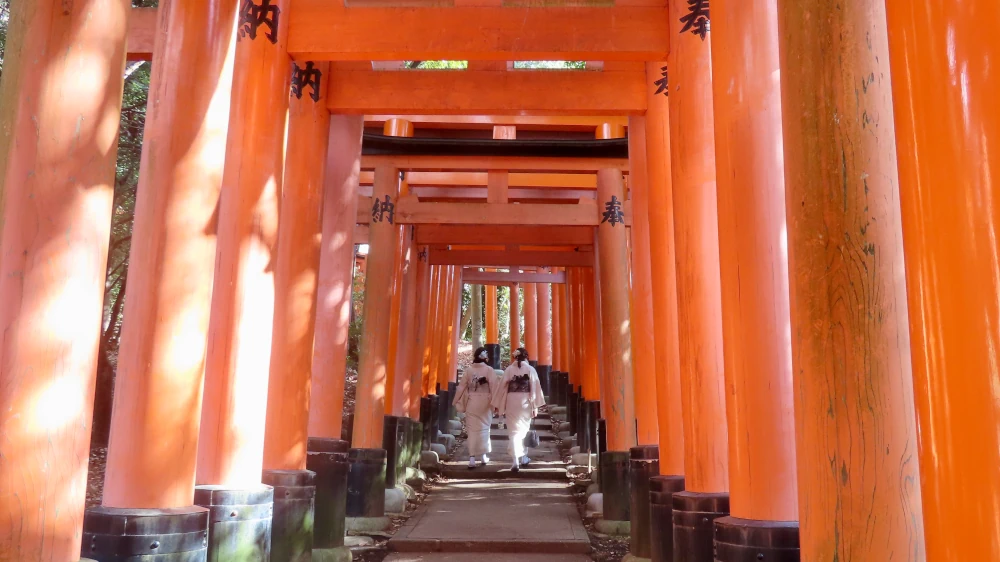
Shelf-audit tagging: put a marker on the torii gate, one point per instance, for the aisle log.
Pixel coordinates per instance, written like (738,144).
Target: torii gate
(764,291)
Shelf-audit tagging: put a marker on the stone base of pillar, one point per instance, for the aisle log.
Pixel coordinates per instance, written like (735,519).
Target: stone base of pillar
(545,374)
(294,513)
(366,483)
(429,417)
(493,349)
(394,442)
(328,459)
(171,535)
(239,521)
(661,516)
(694,517)
(613,528)
(338,554)
(644,463)
(413,450)
(614,478)
(362,525)
(738,539)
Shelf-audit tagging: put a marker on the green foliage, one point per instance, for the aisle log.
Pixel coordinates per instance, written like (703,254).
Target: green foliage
(437,64)
(4,20)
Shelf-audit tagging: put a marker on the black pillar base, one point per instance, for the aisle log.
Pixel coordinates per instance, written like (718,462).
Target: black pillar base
(747,540)
(545,374)
(328,459)
(532,363)
(444,405)
(694,516)
(493,349)
(602,436)
(452,391)
(347,429)
(113,534)
(429,418)
(594,407)
(394,443)
(239,522)
(661,516)
(644,463)
(366,483)
(415,436)
(572,412)
(583,427)
(294,514)
(564,388)
(614,479)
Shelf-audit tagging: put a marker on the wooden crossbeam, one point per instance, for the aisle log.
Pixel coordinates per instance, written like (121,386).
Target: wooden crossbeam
(486,163)
(470,275)
(141,33)
(588,124)
(518,235)
(520,195)
(538,92)
(479,179)
(487,258)
(326,30)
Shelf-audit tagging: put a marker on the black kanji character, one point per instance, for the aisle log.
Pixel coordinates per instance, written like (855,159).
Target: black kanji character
(697,20)
(308,76)
(380,210)
(661,84)
(253,16)
(613,212)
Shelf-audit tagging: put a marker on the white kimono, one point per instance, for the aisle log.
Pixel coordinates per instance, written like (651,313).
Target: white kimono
(477,387)
(518,398)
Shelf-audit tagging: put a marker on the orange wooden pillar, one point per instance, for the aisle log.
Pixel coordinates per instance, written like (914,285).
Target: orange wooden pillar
(564,347)
(492,324)
(754,267)
(431,329)
(418,352)
(300,227)
(515,318)
(699,297)
(151,461)
(847,290)
(446,326)
(543,316)
(374,354)
(558,363)
(456,315)
(406,334)
(947,130)
(531,321)
(641,293)
(61,102)
(231,444)
(572,306)
(592,382)
(336,270)
(397,323)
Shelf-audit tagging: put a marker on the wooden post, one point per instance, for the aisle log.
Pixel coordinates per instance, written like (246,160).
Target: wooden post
(564,330)
(663,269)
(643,346)
(947,133)
(301,225)
(618,381)
(429,364)
(61,95)
(336,270)
(374,355)
(754,268)
(515,318)
(492,312)
(847,289)
(543,301)
(172,261)
(456,299)
(418,352)
(531,321)
(392,128)
(231,444)
(557,327)
(592,372)
(447,324)
(407,330)
(699,297)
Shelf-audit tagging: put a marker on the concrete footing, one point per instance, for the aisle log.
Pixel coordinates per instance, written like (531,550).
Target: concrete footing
(395,500)
(336,554)
(613,528)
(361,525)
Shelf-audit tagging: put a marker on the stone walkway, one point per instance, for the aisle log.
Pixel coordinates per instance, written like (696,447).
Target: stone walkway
(530,516)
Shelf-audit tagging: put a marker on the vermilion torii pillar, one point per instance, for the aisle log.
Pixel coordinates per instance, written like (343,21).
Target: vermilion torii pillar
(699,297)
(948,130)
(62,99)
(418,351)
(515,318)
(531,321)
(336,272)
(296,270)
(151,458)
(231,443)
(543,315)
(848,331)
(754,266)
(947,133)
(456,316)
(397,345)
(429,365)
(374,354)
(492,325)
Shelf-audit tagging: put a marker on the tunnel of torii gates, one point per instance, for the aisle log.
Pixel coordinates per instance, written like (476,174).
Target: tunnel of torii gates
(715,260)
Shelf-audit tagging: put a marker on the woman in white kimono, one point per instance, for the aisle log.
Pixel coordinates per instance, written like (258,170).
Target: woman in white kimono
(474,396)
(519,398)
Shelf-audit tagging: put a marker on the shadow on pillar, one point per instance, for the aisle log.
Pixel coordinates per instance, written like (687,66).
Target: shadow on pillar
(328,459)
(694,517)
(165,535)
(493,349)
(239,522)
(294,513)
(739,540)
(644,463)
(661,516)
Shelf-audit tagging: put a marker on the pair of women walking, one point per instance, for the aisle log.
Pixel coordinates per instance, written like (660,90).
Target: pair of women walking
(517,396)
